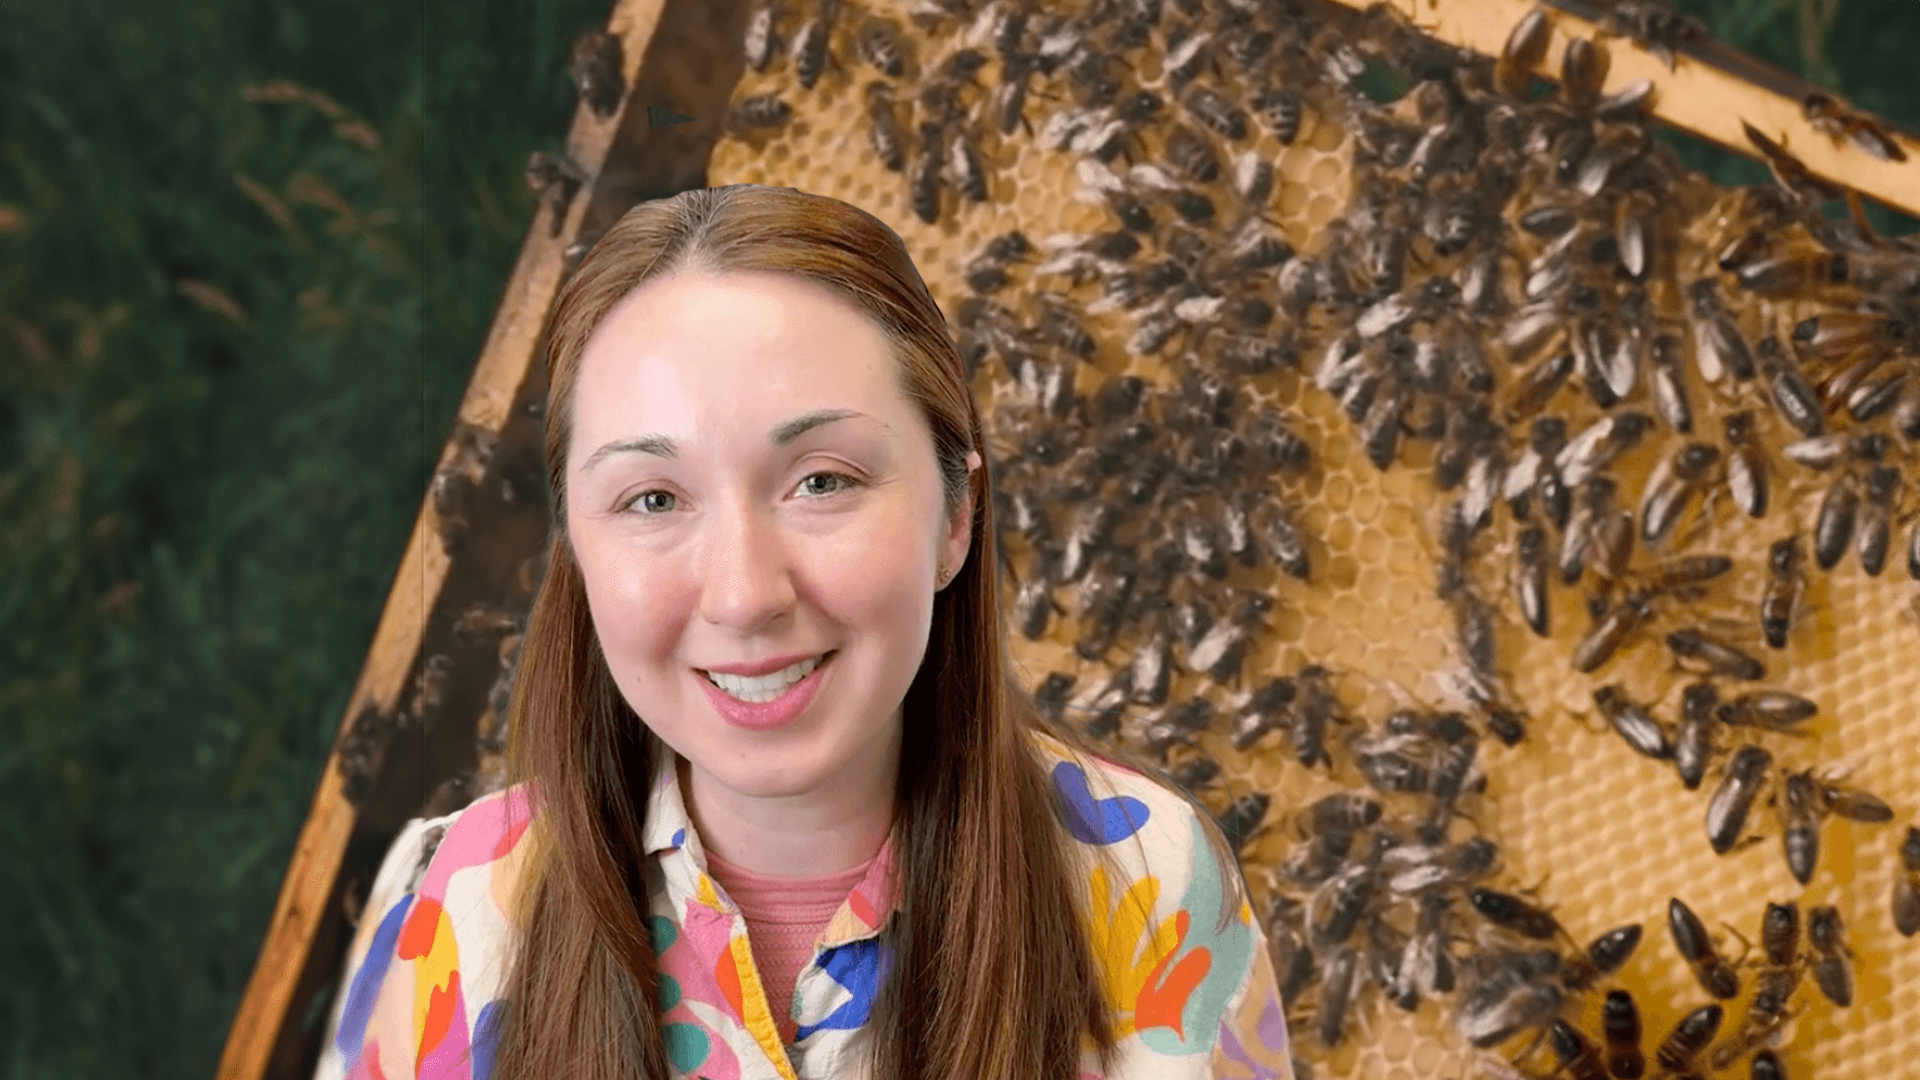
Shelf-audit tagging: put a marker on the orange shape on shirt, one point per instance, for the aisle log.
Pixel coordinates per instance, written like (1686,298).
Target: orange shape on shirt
(727,974)
(416,934)
(1165,996)
(439,1014)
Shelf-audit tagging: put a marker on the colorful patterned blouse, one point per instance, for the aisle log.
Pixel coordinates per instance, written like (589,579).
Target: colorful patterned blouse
(1184,965)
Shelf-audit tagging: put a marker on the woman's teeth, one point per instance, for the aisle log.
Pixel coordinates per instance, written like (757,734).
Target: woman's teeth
(765,688)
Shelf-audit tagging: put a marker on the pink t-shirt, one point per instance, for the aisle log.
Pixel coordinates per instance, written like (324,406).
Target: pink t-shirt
(785,916)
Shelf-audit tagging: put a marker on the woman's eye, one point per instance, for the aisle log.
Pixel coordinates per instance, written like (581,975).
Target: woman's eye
(652,509)
(849,482)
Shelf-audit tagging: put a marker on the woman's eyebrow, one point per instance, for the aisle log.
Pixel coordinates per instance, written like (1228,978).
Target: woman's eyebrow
(782,435)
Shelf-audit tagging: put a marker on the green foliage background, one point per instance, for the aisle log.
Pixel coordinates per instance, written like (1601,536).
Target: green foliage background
(202,501)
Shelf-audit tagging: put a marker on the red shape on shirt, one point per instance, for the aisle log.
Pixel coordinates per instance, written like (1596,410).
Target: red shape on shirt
(1163,998)
(416,935)
(862,908)
(440,1002)
(727,974)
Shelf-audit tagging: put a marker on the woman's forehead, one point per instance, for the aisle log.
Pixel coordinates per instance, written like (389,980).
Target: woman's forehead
(760,349)
(709,307)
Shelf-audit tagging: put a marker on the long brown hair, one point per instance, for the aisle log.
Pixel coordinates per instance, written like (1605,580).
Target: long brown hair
(995,976)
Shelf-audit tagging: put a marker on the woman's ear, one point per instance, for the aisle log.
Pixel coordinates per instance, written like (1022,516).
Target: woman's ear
(960,529)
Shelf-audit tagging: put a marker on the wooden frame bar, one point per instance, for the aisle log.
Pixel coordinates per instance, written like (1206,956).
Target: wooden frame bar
(1707,98)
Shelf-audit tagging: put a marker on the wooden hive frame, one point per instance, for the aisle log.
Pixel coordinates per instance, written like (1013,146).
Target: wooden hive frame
(1712,88)
(390,756)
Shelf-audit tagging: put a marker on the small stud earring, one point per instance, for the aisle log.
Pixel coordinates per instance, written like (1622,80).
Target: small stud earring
(946,575)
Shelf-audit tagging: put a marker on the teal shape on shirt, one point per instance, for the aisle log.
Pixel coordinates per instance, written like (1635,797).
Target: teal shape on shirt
(687,1046)
(1229,949)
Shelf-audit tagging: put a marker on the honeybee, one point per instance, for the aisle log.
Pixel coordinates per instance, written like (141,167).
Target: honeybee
(1833,966)
(761,112)
(966,167)
(878,40)
(810,44)
(1718,346)
(1672,486)
(1654,27)
(1670,384)
(594,63)
(1193,154)
(1530,578)
(1879,491)
(1836,119)
(1786,583)
(1010,97)
(1747,471)
(1217,112)
(1527,47)
(761,41)
(1188,52)
(923,176)
(1799,183)
(1280,108)
(883,127)
(1583,70)
(555,178)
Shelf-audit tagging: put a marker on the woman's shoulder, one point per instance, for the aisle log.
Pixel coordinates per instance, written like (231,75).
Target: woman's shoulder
(1172,931)
(1108,802)
(486,830)
(438,920)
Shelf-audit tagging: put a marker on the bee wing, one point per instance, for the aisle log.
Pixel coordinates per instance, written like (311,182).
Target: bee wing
(1149,175)
(1581,449)
(1656,485)
(1520,477)
(1212,647)
(1061,126)
(981,32)
(1097,177)
(955,167)
(1483,479)
(1094,137)
(1706,350)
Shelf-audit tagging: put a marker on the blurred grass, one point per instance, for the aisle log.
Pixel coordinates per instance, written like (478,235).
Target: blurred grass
(1867,56)
(233,335)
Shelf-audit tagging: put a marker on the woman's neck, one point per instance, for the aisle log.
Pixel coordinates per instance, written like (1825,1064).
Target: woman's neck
(795,837)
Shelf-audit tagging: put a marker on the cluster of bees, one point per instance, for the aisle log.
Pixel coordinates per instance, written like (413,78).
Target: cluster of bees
(1574,197)
(1501,307)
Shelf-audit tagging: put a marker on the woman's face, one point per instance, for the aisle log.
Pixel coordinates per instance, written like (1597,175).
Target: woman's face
(739,543)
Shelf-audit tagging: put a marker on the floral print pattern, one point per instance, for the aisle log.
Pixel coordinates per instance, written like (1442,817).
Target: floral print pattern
(1182,963)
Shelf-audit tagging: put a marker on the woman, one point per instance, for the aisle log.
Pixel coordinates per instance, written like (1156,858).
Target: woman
(893,867)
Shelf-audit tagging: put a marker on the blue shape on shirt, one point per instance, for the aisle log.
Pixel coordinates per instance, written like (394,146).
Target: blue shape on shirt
(861,967)
(678,836)
(1096,821)
(366,981)
(486,1038)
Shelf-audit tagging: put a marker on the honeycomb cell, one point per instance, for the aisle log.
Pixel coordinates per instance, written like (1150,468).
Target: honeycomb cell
(1365,505)
(1326,136)
(1324,174)
(1294,201)
(1320,637)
